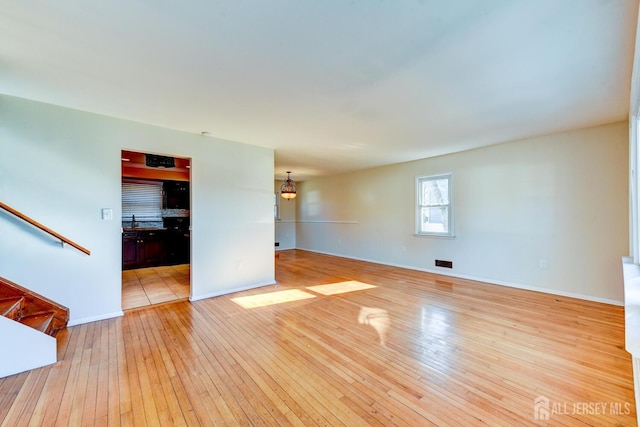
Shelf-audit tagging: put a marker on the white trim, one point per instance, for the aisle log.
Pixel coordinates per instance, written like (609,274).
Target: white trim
(437,236)
(634,99)
(75,322)
(321,221)
(482,279)
(634,203)
(230,291)
(634,179)
(631,276)
(316,221)
(417,220)
(634,236)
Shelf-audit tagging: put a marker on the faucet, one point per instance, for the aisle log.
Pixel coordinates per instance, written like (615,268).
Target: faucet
(133,221)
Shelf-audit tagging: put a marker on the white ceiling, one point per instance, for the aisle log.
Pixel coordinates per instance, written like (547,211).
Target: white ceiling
(332,85)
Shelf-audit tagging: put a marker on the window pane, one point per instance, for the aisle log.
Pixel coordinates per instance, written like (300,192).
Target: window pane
(434,208)
(434,219)
(435,192)
(144,200)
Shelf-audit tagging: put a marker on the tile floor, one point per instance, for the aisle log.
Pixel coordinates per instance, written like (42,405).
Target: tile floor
(154,285)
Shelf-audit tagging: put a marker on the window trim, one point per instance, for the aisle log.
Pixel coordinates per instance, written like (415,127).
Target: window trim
(451,232)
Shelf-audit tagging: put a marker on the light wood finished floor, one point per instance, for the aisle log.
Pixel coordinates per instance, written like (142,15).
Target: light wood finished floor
(380,346)
(154,285)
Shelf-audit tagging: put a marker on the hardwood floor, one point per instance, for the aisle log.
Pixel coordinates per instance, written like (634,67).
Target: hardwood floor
(377,346)
(154,285)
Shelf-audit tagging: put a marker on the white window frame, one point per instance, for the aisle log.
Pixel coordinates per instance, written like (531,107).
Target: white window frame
(419,205)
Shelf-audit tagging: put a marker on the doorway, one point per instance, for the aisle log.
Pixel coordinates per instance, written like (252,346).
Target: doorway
(156,236)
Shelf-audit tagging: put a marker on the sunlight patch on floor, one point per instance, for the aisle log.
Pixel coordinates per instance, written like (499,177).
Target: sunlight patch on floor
(340,288)
(271,298)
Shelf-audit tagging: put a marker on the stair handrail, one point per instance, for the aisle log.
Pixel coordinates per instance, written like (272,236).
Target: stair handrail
(44,228)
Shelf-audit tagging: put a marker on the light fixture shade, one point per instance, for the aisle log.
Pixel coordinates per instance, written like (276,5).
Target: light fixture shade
(288,189)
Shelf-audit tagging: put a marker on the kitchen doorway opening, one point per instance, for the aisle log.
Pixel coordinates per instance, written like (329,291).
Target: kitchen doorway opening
(156,229)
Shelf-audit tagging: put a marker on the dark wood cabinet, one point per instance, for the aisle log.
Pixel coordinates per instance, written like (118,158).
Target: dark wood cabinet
(177,248)
(154,248)
(150,249)
(176,194)
(129,250)
(142,249)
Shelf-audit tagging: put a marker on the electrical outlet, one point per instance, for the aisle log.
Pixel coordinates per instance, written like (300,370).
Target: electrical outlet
(544,264)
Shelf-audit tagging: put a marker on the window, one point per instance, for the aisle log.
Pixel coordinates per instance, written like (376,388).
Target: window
(434,206)
(276,206)
(142,199)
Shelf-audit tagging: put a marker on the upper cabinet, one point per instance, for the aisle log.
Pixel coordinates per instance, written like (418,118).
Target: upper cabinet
(176,195)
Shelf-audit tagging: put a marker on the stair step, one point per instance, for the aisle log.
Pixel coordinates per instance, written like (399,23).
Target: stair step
(31,308)
(11,307)
(39,321)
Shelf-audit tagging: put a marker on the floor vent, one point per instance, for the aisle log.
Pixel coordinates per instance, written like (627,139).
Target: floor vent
(446,264)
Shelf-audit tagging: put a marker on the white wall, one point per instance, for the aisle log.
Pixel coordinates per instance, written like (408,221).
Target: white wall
(62,166)
(24,348)
(563,198)
(286,223)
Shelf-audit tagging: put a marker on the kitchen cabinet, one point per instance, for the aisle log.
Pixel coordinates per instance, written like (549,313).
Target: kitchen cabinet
(151,248)
(129,250)
(142,249)
(176,194)
(176,248)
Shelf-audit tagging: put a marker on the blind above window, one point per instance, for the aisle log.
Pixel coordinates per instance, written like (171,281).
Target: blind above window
(144,200)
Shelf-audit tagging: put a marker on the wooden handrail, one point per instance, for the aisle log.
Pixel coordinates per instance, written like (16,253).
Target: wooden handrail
(43,228)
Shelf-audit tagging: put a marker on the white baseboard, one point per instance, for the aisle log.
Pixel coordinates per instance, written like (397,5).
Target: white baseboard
(481,279)
(230,291)
(74,322)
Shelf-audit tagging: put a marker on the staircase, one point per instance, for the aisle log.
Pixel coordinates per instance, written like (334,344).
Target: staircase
(29,323)
(30,309)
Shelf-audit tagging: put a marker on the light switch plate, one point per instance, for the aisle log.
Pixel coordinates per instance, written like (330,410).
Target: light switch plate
(107,214)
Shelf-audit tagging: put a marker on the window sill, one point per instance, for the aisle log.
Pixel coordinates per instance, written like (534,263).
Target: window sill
(437,236)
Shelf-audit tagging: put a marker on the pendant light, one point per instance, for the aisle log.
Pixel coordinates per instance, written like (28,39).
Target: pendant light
(288,189)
